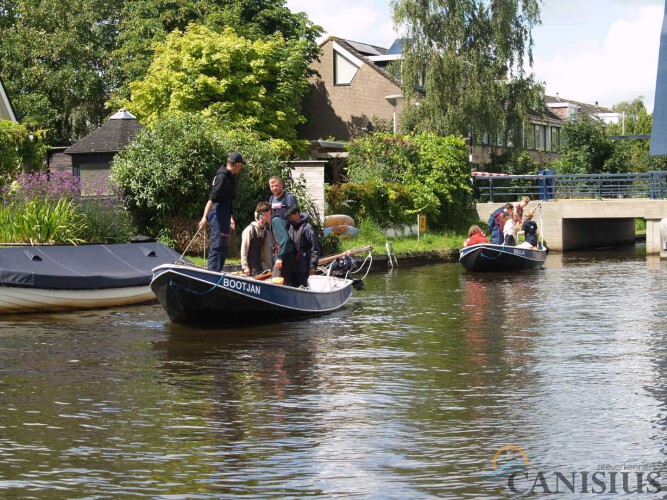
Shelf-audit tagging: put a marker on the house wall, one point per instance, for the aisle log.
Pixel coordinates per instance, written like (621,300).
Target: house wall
(340,111)
(93,170)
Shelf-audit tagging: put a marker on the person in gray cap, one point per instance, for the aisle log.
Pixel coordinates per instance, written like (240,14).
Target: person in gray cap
(219,208)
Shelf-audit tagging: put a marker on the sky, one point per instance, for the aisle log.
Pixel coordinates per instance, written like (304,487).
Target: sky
(590,51)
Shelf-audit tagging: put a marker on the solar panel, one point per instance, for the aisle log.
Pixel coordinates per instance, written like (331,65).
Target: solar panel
(365,48)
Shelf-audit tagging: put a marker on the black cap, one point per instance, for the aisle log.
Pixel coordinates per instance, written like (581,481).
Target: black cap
(235,158)
(291,210)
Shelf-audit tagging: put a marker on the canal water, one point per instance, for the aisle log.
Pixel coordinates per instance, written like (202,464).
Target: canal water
(431,383)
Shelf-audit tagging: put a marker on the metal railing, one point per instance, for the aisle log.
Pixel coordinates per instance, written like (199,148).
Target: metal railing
(652,185)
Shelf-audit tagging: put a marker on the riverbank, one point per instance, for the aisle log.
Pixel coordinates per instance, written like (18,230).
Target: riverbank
(406,251)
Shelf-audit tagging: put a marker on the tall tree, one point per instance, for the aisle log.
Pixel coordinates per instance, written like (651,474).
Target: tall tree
(464,65)
(256,84)
(54,62)
(146,23)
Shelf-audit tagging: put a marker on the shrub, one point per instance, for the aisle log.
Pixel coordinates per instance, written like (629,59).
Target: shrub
(393,177)
(19,148)
(166,172)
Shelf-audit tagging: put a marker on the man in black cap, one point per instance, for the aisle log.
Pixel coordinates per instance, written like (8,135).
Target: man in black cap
(218,210)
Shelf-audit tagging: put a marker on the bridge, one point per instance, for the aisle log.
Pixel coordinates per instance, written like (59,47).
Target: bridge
(584,211)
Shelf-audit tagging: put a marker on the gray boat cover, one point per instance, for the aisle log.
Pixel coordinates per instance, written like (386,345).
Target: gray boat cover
(82,267)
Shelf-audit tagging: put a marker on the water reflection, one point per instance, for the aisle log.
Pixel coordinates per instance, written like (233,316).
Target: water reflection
(405,393)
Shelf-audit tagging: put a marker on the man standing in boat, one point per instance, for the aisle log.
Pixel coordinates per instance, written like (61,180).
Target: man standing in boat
(283,250)
(219,208)
(280,199)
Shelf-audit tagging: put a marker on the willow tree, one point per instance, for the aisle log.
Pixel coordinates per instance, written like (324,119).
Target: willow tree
(464,63)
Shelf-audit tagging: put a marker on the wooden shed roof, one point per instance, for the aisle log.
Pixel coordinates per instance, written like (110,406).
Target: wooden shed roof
(111,137)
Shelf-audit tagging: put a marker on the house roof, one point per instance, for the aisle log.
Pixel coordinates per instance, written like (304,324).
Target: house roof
(591,109)
(111,137)
(367,53)
(7,111)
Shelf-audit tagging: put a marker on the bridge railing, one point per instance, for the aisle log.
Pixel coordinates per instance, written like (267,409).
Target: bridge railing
(489,187)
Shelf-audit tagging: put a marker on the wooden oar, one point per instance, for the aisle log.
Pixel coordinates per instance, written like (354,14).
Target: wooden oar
(324,260)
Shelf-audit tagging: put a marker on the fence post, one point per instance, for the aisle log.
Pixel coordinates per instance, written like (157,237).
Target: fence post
(491,189)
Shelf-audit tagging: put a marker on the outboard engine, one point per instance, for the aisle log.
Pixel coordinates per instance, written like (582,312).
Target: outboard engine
(341,268)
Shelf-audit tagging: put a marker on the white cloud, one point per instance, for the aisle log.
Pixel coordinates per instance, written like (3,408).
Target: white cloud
(366,21)
(620,68)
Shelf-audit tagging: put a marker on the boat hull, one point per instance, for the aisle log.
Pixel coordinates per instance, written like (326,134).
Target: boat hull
(15,300)
(486,257)
(192,295)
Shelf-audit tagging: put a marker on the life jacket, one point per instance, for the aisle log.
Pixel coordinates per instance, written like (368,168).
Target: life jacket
(295,236)
(256,245)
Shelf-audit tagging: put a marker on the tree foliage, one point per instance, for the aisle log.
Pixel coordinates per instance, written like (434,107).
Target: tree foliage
(146,23)
(62,60)
(256,85)
(464,64)
(19,148)
(432,169)
(637,121)
(167,170)
(54,62)
(587,149)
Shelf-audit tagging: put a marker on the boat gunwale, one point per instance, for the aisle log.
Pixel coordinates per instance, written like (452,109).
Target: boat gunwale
(169,268)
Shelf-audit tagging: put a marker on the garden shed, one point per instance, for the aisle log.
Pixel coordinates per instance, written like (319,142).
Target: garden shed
(92,155)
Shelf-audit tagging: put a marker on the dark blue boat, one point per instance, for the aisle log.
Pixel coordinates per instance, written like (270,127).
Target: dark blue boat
(487,257)
(194,295)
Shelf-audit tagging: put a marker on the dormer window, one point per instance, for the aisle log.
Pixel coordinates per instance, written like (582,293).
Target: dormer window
(344,70)
(346,65)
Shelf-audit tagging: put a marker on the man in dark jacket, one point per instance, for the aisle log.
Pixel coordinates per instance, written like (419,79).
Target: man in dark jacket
(219,208)
(306,247)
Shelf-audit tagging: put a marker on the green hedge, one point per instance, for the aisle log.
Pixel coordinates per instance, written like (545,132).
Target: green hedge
(393,177)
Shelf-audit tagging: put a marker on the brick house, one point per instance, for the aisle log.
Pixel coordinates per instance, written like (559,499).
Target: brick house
(353,83)
(350,90)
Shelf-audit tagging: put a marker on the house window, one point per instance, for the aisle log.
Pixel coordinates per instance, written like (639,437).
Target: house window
(529,137)
(540,137)
(555,138)
(344,70)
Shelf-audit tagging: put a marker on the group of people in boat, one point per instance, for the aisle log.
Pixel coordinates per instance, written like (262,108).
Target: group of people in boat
(504,224)
(280,237)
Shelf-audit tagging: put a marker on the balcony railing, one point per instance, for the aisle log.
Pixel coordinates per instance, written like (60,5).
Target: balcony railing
(652,185)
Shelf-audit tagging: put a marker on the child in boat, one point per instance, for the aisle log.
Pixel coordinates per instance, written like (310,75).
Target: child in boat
(475,236)
(529,229)
(509,231)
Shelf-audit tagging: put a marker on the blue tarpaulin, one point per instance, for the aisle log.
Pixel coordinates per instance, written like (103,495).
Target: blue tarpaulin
(82,267)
